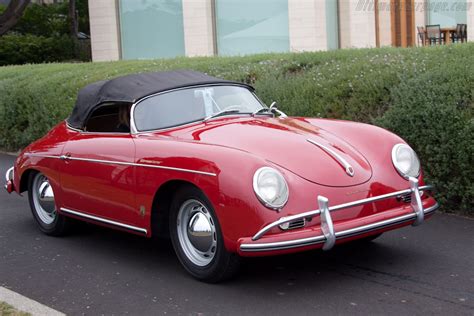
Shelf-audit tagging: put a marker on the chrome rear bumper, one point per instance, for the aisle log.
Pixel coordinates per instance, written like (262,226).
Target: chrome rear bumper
(329,236)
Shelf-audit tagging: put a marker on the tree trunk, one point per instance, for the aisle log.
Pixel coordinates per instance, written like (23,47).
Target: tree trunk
(12,15)
(73,27)
(73,24)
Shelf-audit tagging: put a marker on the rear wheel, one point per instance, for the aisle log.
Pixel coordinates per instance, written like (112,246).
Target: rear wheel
(197,237)
(43,206)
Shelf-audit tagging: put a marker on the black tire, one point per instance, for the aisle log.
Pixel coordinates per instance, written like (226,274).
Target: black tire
(59,224)
(223,264)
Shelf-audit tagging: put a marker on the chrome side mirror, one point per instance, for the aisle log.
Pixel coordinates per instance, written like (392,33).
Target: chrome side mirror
(274,109)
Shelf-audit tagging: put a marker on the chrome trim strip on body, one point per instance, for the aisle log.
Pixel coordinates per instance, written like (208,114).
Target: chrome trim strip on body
(73,128)
(66,157)
(347,166)
(321,239)
(42,156)
(141,165)
(103,220)
(288,219)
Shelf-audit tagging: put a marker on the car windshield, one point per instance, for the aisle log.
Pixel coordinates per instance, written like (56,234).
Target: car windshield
(193,104)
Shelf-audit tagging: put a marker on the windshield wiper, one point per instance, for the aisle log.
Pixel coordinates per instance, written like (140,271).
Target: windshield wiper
(271,110)
(220,113)
(262,110)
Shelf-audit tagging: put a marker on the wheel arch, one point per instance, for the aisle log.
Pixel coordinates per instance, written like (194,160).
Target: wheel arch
(161,206)
(24,178)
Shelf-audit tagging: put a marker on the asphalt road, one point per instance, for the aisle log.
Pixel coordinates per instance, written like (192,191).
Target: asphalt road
(423,270)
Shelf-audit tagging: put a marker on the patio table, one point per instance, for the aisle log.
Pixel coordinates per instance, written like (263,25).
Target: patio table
(447,33)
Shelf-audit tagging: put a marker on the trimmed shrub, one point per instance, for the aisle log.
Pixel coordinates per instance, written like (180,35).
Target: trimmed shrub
(434,113)
(423,94)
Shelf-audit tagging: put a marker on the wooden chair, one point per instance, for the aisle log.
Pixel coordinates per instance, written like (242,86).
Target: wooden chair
(433,34)
(421,36)
(458,36)
(464,33)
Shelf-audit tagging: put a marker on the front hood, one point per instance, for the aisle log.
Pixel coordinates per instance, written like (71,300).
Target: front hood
(304,149)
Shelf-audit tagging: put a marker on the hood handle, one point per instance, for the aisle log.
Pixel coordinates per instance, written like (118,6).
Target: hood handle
(347,166)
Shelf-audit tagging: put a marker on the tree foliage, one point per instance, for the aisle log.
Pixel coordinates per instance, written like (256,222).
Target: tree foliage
(12,14)
(41,27)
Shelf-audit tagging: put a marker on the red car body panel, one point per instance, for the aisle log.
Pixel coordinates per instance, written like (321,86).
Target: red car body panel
(116,176)
(267,137)
(104,190)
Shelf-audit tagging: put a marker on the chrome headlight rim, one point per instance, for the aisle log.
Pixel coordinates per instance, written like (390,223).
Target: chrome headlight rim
(395,161)
(262,199)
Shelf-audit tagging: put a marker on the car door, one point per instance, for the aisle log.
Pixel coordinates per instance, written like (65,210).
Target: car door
(98,178)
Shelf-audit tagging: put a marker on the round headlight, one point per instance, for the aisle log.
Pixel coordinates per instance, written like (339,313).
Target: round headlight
(270,187)
(405,161)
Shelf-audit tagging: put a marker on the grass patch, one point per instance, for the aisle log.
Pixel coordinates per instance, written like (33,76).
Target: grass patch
(8,310)
(425,95)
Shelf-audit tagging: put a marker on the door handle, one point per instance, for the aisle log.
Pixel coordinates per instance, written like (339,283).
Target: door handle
(65,157)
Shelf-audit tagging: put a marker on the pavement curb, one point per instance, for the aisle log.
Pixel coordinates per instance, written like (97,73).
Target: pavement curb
(25,304)
(10,153)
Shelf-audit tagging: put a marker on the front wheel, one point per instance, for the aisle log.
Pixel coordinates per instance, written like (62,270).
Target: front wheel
(43,206)
(197,237)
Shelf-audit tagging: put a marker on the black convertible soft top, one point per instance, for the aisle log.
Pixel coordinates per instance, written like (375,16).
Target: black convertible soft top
(131,88)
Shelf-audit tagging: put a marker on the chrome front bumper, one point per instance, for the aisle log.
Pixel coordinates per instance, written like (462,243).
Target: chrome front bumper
(329,236)
(9,180)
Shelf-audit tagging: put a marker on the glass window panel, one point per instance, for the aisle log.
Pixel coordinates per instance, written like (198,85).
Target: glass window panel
(192,104)
(151,28)
(448,13)
(332,24)
(252,26)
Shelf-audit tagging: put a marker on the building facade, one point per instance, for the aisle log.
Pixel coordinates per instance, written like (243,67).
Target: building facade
(148,29)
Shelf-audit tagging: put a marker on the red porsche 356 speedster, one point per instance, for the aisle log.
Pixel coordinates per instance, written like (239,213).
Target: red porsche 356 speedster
(204,161)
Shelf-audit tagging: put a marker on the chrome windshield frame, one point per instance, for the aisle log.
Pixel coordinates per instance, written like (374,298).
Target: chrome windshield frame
(135,131)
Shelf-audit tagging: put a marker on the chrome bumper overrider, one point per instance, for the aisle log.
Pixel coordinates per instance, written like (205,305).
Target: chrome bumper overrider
(9,179)
(329,236)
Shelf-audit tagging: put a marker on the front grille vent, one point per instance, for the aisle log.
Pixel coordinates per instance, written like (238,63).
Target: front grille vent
(299,223)
(404,198)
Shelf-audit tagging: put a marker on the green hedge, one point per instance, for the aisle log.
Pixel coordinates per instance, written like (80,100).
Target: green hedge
(423,94)
(17,49)
(434,112)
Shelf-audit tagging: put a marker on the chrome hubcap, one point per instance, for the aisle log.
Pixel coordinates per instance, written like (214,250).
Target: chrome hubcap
(43,199)
(197,232)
